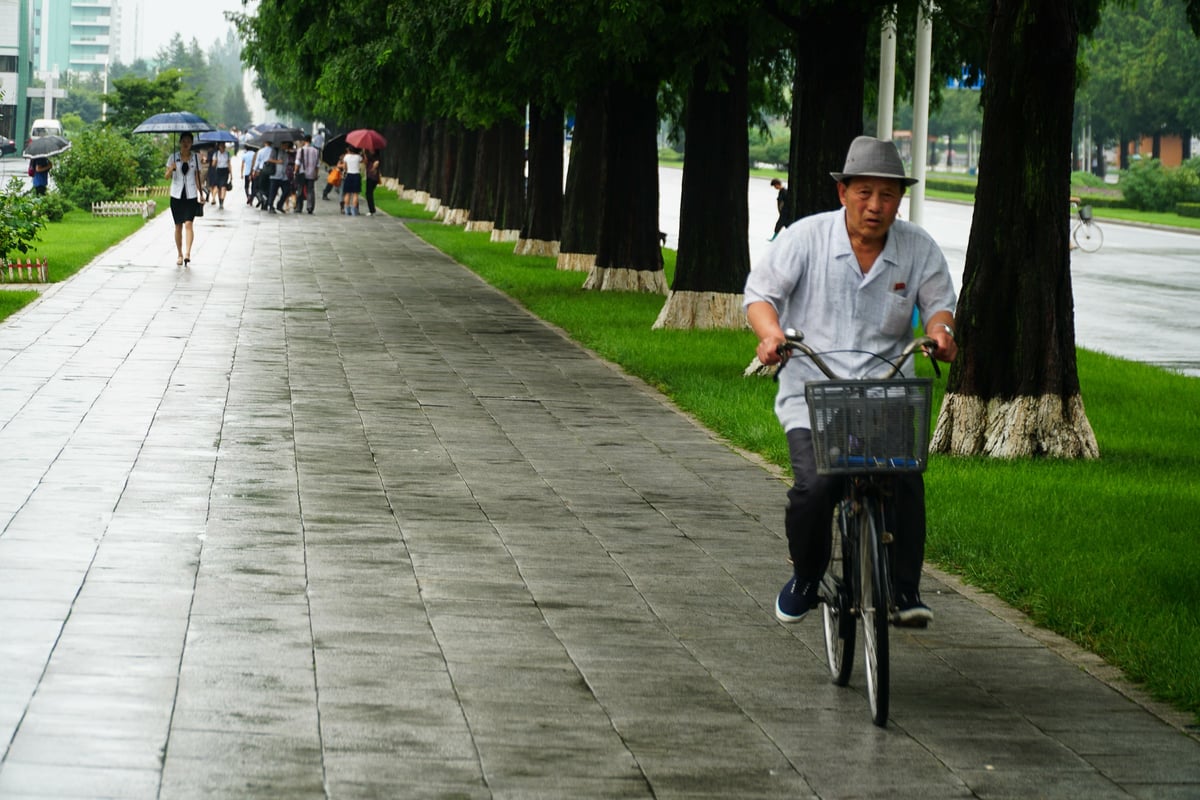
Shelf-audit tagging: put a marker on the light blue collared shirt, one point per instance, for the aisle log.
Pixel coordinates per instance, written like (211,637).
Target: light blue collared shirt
(812,279)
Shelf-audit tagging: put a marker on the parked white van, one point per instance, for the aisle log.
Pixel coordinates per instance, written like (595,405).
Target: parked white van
(45,127)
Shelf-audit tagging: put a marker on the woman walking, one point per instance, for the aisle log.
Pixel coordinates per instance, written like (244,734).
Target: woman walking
(218,182)
(351,166)
(183,168)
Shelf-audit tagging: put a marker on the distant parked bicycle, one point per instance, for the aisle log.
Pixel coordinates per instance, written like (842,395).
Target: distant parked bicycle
(1086,233)
(866,430)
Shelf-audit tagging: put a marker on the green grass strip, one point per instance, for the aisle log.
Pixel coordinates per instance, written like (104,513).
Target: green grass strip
(1103,552)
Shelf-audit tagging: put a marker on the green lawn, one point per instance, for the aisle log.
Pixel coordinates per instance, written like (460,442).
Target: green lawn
(69,245)
(1103,552)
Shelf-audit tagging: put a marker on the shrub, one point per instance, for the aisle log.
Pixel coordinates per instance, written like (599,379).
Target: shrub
(52,206)
(1148,186)
(86,191)
(103,164)
(20,222)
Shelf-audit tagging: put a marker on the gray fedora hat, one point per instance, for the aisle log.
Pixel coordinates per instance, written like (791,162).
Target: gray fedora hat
(869,157)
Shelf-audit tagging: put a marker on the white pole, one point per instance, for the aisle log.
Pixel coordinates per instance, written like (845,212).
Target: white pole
(920,138)
(887,76)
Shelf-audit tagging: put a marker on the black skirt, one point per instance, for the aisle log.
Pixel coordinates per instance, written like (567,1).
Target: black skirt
(183,209)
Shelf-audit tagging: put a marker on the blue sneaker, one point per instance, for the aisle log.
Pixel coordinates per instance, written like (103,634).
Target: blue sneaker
(911,612)
(795,600)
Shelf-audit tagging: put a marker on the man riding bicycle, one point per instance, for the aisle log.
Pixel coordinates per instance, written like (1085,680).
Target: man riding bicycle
(851,279)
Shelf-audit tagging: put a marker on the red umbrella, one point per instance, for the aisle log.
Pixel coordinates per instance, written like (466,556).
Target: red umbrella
(366,139)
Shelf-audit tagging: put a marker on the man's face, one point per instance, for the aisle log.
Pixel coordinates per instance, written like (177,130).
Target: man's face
(871,206)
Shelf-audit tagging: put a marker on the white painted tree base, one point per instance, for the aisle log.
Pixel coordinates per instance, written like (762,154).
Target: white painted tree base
(1019,427)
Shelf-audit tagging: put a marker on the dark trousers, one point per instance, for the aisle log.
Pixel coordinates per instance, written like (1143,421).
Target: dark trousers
(262,189)
(370,194)
(305,191)
(809,517)
(278,189)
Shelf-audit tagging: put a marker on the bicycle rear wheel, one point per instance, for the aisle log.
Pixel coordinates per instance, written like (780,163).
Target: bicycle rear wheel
(836,600)
(1088,236)
(874,610)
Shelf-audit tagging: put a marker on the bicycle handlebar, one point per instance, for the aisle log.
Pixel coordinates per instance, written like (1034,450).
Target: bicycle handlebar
(795,341)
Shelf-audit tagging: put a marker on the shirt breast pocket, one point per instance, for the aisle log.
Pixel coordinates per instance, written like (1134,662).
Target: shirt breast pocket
(897,315)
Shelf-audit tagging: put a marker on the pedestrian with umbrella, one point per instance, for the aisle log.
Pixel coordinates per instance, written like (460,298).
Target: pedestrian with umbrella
(39,152)
(183,170)
(369,143)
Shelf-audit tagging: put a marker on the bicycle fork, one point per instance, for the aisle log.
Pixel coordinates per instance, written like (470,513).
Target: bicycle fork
(851,547)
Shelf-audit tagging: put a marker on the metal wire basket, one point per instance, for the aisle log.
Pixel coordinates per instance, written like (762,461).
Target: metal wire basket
(870,425)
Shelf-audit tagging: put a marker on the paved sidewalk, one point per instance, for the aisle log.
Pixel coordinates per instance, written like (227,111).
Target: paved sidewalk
(325,516)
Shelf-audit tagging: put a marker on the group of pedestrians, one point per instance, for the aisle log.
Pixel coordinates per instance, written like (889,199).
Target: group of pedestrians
(281,177)
(277,178)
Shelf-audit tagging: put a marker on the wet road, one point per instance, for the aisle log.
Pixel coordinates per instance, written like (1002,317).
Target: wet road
(1134,298)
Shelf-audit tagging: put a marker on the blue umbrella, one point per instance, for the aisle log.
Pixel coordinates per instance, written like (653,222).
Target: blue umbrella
(216,137)
(174,122)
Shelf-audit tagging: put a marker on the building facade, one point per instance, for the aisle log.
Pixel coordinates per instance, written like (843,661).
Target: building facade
(75,35)
(16,67)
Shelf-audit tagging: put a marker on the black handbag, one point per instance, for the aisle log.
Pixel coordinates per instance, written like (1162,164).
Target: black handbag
(199,207)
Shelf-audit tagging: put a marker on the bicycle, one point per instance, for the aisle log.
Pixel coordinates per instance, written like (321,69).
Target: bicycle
(866,430)
(1086,233)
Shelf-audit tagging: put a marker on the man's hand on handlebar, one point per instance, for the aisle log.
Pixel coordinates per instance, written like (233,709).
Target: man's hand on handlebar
(946,349)
(773,349)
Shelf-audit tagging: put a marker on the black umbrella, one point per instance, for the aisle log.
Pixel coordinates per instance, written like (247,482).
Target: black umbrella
(174,122)
(277,135)
(334,149)
(215,137)
(46,146)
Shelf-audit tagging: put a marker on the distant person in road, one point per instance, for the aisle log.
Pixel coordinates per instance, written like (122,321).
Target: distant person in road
(279,178)
(308,163)
(850,280)
(334,181)
(41,174)
(247,158)
(218,175)
(780,204)
(183,170)
(373,176)
(352,168)
(263,166)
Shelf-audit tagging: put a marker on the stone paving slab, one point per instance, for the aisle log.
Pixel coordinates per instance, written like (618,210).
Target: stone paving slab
(325,516)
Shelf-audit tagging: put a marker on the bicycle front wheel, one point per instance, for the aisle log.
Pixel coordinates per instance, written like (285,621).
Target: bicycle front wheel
(836,593)
(1088,236)
(874,610)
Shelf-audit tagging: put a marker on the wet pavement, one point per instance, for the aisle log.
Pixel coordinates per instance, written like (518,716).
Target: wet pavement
(326,516)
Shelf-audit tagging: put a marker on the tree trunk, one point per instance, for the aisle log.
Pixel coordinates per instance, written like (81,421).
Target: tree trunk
(458,209)
(714,254)
(542,225)
(487,175)
(629,254)
(425,161)
(585,176)
(437,159)
(408,149)
(447,159)
(1014,390)
(827,103)
(510,175)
